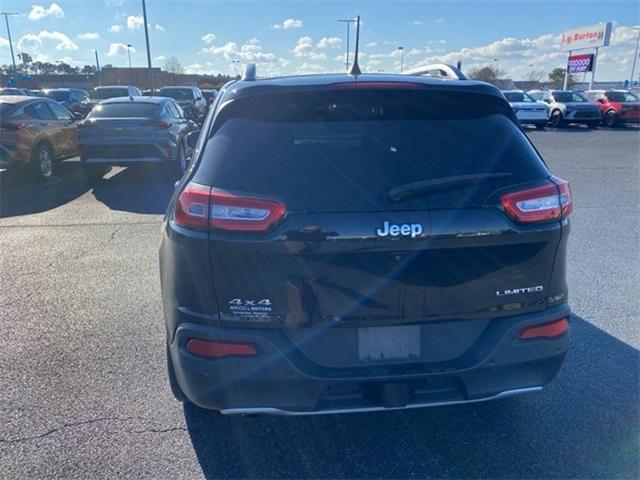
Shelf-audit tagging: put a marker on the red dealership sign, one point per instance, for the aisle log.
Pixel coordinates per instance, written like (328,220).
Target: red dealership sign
(580,63)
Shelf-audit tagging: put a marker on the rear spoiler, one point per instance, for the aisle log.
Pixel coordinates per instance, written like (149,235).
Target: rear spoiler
(438,70)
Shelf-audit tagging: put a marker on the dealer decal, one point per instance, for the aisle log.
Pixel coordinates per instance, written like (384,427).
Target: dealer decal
(241,306)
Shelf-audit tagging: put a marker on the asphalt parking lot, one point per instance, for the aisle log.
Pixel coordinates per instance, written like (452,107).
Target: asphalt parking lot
(83,390)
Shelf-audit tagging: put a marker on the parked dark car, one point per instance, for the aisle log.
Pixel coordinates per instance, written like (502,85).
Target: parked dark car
(566,106)
(355,243)
(73,99)
(618,106)
(35,132)
(129,131)
(189,98)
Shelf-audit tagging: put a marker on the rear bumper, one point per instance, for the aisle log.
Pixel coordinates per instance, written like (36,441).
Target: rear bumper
(282,380)
(128,152)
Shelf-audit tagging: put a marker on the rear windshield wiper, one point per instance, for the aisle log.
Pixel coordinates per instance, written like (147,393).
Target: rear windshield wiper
(409,189)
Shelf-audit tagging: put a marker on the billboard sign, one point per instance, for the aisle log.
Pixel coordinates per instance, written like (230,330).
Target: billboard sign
(587,37)
(580,63)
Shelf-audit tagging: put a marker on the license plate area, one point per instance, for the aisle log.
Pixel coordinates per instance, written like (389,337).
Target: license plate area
(389,343)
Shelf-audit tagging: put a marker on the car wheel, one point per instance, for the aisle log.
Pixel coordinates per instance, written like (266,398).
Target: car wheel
(43,161)
(541,126)
(556,119)
(95,172)
(173,381)
(611,118)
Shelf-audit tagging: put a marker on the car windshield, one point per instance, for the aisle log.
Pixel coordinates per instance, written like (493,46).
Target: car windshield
(124,110)
(622,97)
(58,95)
(177,93)
(104,93)
(518,97)
(568,97)
(10,91)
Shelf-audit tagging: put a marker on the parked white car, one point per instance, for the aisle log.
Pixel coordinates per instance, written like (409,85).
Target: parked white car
(527,109)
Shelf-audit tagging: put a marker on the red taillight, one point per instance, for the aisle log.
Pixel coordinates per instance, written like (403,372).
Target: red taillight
(244,214)
(539,204)
(160,124)
(201,207)
(548,330)
(192,207)
(213,349)
(14,126)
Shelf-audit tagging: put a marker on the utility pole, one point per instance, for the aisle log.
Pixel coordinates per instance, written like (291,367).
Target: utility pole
(401,58)
(348,21)
(635,57)
(130,69)
(13,58)
(146,38)
(98,69)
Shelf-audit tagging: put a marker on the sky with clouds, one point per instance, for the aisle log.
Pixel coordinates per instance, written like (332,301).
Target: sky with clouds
(305,36)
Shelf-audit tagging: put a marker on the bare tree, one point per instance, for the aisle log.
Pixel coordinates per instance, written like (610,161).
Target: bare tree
(533,79)
(173,66)
(489,74)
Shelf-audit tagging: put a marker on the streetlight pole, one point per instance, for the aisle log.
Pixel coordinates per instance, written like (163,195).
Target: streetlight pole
(635,56)
(97,68)
(13,58)
(401,58)
(130,68)
(497,60)
(146,38)
(348,22)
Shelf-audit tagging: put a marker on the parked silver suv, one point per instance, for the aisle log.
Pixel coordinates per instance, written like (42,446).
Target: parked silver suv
(566,106)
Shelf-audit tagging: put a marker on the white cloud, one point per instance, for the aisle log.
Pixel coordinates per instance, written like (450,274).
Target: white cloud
(196,68)
(208,38)
(416,23)
(251,51)
(309,68)
(318,56)
(439,20)
(134,21)
(303,47)
(329,42)
(288,23)
(4,42)
(159,58)
(119,49)
(371,44)
(89,36)
(413,52)
(115,28)
(38,11)
(159,27)
(33,41)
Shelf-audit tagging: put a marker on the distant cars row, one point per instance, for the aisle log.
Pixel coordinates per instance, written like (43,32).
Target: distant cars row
(38,132)
(560,107)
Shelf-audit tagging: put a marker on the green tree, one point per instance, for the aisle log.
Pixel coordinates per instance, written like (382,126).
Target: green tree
(556,77)
(489,74)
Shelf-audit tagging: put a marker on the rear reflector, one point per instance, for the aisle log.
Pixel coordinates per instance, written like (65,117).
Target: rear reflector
(201,207)
(548,330)
(539,204)
(212,349)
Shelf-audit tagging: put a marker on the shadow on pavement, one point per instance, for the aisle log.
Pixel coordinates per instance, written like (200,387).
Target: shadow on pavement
(21,193)
(584,425)
(136,189)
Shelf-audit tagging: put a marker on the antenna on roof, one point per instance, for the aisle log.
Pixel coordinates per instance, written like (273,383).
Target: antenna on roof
(355,68)
(249,72)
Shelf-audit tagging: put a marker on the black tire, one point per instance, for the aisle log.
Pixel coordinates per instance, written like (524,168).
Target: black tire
(611,119)
(95,172)
(556,119)
(173,381)
(43,161)
(541,126)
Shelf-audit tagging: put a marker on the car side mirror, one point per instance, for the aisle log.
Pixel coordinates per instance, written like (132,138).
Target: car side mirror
(600,100)
(77,116)
(192,138)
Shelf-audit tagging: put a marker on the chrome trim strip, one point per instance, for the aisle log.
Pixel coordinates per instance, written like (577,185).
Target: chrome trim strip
(278,411)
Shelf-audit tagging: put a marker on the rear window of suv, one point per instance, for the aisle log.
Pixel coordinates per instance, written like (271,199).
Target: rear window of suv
(128,109)
(345,150)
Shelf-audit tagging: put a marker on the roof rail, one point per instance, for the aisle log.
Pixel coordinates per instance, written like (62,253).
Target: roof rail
(439,70)
(249,72)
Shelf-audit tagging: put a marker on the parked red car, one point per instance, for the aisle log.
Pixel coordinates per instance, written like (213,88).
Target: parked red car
(618,106)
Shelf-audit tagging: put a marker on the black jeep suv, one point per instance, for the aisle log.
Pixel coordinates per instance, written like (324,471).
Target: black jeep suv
(355,243)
